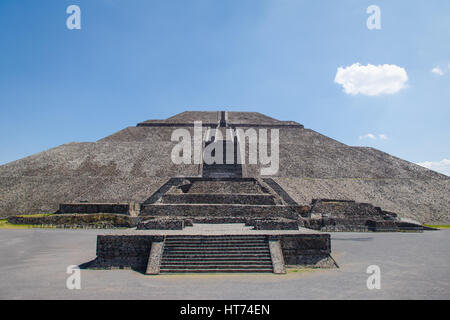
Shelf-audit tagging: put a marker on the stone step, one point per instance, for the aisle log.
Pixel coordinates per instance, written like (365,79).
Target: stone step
(216,170)
(222,170)
(230,239)
(201,242)
(219,255)
(206,245)
(225,186)
(217,270)
(216,246)
(213,171)
(184,252)
(204,241)
(221,210)
(220,236)
(223,175)
(224,263)
(211,198)
(222,167)
(215,250)
(208,266)
(214,243)
(265,258)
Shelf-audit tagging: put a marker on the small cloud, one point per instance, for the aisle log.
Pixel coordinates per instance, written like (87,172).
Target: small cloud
(442,166)
(372,136)
(368,136)
(371,80)
(438,71)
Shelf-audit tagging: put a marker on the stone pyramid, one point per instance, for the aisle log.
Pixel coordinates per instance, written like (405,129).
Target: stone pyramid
(132,165)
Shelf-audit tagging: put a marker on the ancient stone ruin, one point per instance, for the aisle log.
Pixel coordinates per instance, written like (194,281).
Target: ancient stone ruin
(320,185)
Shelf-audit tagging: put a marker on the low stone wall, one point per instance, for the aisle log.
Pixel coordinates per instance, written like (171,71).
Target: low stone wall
(83,208)
(347,209)
(273,224)
(345,228)
(122,252)
(337,225)
(77,220)
(382,226)
(307,250)
(161,224)
(186,210)
(408,226)
(360,225)
(188,221)
(218,186)
(217,220)
(210,198)
(132,251)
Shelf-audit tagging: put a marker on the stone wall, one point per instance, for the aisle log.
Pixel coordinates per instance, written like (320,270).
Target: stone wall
(75,220)
(204,210)
(273,224)
(382,226)
(225,186)
(161,224)
(344,209)
(337,225)
(118,208)
(132,251)
(214,198)
(307,250)
(423,200)
(122,252)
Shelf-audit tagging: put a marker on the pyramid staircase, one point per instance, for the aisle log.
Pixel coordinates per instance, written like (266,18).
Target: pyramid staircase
(221,193)
(223,169)
(213,254)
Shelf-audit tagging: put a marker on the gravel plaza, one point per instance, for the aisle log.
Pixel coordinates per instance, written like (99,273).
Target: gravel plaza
(413,266)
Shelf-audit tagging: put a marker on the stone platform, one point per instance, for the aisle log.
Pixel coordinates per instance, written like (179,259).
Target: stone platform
(212,248)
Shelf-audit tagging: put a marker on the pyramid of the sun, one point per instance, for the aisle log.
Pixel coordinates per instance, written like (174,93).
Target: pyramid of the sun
(130,165)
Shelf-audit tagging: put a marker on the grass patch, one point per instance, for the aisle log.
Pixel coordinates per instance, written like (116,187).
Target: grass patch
(299,270)
(37,215)
(438,226)
(4,224)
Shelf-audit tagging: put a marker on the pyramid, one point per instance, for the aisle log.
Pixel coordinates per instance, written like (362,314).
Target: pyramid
(134,166)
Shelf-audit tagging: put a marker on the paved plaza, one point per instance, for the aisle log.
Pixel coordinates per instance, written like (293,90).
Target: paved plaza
(413,266)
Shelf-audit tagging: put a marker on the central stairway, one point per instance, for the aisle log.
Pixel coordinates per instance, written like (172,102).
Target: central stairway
(229,146)
(227,253)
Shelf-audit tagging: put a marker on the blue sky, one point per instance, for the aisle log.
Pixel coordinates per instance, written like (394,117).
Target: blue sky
(138,60)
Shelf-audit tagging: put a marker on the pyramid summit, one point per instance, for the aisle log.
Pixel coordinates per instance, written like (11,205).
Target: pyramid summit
(134,166)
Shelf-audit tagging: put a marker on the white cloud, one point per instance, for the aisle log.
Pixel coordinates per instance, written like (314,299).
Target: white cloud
(368,136)
(438,71)
(371,80)
(442,166)
(371,136)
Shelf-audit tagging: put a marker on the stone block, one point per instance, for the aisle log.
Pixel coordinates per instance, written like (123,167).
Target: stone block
(161,224)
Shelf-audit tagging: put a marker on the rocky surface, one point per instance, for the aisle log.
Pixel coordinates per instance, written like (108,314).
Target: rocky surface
(426,200)
(76,220)
(130,165)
